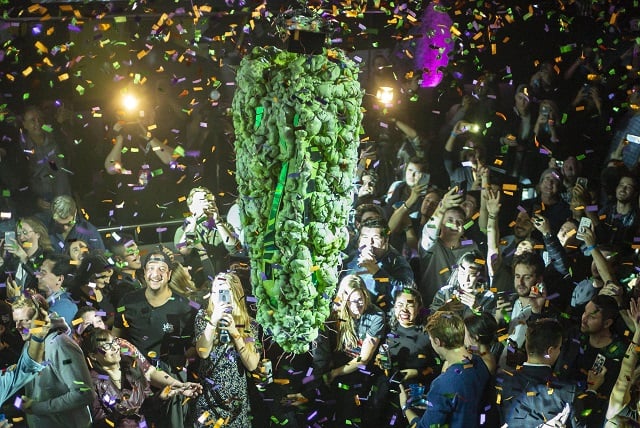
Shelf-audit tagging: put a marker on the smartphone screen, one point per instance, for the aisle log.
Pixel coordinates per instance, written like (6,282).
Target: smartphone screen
(9,236)
(585,223)
(224,295)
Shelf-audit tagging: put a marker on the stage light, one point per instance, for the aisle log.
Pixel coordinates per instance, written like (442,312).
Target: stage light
(385,95)
(129,102)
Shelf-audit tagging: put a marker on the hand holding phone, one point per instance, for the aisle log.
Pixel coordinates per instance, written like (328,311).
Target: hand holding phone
(224,295)
(585,223)
(582,181)
(598,364)
(10,237)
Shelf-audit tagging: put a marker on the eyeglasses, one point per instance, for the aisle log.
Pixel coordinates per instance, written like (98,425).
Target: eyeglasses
(110,346)
(24,232)
(359,302)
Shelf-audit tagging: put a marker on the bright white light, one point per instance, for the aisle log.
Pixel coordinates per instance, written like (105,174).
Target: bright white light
(385,95)
(129,102)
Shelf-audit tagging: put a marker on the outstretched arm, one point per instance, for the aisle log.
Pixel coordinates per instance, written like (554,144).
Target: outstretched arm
(620,396)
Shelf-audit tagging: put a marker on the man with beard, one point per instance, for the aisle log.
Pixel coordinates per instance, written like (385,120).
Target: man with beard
(620,218)
(594,340)
(513,312)
(382,268)
(442,244)
(160,324)
(514,244)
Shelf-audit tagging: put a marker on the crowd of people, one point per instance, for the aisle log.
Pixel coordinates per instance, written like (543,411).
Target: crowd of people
(490,276)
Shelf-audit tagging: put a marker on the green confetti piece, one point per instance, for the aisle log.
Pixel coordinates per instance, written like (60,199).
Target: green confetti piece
(124,150)
(179,151)
(119,19)
(116,65)
(565,116)
(25,96)
(80,89)
(581,157)
(6,193)
(156,172)
(47,128)
(468,225)
(121,309)
(343,386)
(566,48)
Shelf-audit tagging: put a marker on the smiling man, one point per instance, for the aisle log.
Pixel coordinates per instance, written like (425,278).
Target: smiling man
(160,324)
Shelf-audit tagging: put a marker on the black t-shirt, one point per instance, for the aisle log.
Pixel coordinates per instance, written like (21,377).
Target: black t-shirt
(410,348)
(166,330)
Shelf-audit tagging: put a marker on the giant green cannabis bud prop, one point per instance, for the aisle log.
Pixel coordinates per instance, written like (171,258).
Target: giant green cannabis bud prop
(297,119)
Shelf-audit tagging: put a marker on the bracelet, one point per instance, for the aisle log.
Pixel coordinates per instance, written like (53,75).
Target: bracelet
(37,339)
(454,135)
(590,248)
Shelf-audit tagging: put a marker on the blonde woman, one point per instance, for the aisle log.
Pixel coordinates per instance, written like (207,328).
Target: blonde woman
(624,403)
(226,341)
(359,326)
